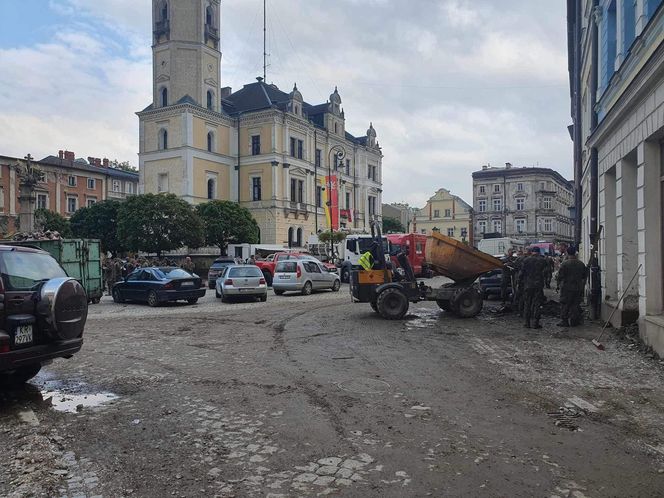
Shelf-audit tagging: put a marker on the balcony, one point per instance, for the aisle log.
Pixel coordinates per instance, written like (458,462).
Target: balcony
(298,209)
(162,28)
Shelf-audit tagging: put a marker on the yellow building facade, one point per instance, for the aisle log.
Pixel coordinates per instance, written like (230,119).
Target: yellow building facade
(447,214)
(292,164)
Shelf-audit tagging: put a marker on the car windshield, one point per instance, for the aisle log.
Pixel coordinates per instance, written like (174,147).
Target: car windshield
(24,270)
(247,271)
(286,267)
(218,265)
(172,273)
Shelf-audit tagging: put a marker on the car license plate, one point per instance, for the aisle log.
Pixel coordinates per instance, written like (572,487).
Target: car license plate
(285,277)
(23,335)
(187,284)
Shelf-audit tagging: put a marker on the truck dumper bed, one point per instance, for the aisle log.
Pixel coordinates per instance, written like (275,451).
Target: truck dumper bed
(453,259)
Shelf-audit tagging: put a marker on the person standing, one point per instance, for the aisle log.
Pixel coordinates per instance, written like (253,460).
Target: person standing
(571,280)
(506,280)
(532,278)
(188,265)
(517,292)
(548,271)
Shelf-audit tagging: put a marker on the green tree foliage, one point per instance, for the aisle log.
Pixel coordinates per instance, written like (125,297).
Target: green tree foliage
(392,225)
(328,236)
(99,221)
(227,223)
(158,223)
(124,166)
(50,220)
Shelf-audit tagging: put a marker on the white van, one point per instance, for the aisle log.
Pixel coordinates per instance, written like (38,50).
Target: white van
(498,247)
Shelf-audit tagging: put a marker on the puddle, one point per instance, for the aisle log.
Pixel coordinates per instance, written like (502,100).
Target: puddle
(422,320)
(71,396)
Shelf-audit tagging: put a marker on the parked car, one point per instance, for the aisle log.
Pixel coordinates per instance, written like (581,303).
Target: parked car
(241,280)
(157,285)
(43,314)
(268,267)
(305,276)
(216,269)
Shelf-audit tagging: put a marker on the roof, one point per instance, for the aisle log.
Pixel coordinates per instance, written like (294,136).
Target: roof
(84,166)
(500,172)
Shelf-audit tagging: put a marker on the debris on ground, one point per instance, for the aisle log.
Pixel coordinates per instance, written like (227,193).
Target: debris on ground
(551,308)
(630,338)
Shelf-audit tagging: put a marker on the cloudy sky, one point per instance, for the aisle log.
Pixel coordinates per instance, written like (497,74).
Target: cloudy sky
(449,85)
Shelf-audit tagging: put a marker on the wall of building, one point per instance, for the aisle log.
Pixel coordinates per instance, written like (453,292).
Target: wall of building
(447,214)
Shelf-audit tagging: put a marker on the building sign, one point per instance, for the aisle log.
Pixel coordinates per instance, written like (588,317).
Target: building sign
(332,204)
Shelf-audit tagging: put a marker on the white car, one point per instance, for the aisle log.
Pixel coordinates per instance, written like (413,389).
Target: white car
(303,275)
(241,280)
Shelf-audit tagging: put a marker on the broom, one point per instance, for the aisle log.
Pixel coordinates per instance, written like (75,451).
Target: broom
(596,342)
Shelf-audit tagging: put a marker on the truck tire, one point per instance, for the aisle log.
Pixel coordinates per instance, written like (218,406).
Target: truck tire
(345,274)
(468,303)
(444,305)
(392,304)
(268,278)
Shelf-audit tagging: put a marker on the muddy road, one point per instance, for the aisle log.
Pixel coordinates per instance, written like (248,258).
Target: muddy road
(307,396)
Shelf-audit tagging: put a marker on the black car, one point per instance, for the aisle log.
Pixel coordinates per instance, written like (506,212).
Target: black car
(42,313)
(216,269)
(157,285)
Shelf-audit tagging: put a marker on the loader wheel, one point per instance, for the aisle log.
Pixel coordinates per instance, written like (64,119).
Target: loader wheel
(444,305)
(468,303)
(392,304)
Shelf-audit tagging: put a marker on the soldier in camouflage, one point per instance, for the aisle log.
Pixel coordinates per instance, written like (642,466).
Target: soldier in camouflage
(532,282)
(571,281)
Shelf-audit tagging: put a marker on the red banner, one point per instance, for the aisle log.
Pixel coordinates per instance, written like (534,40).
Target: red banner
(332,204)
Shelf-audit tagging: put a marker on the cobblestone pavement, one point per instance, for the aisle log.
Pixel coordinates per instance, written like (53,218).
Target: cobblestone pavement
(309,396)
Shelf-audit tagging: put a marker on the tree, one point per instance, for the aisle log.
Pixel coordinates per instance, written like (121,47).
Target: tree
(124,166)
(99,221)
(227,223)
(50,220)
(158,223)
(328,236)
(392,225)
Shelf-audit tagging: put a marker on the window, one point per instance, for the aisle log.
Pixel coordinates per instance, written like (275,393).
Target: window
(91,183)
(300,149)
(209,16)
(42,201)
(520,203)
(117,186)
(318,156)
(319,196)
(255,145)
(348,166)
(497,205)
(372,172)
(482,189)
(210,100)
(210,141)
(130,187)
(547,225)
(211,188)
(297,190)
(372,206)
(546,203)
(481,206)
(448,213)
(2,199)
(163,139)
(347,200)
(542,185)
(436,213)
(496,189)
(464,233)
(481,226)
(164,97)
(497,226)
(519,187)
(520,225)
(336,128)
(72,181)
(300,191)
(91,201)
(609,45)
(72,204)
(164,11)
(293,146)
(256,194)
(450,232)
(162,182)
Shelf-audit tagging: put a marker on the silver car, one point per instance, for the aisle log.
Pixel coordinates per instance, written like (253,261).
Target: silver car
(241,280)
(303,275)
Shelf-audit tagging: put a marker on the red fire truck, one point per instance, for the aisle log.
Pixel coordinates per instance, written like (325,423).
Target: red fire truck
(415,243)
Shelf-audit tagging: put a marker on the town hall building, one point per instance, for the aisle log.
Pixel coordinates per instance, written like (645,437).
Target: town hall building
(291,163)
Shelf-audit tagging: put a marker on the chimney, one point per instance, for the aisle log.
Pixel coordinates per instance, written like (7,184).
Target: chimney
(91,159)
(69,156)
(226,92)
(105,163)
(97,162)
(61,154)
(508,165)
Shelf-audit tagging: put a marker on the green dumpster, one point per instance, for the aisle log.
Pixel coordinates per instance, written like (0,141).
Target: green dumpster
(80,258)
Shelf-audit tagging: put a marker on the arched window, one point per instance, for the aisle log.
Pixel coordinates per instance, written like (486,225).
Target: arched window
(163,139)
(164,97)
(299,237)
(164,11)
(336,128)
(210,142)
(209,16)
(210,100)
(290,237)
(211,189)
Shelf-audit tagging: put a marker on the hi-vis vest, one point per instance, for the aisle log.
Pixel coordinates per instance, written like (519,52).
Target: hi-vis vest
(366,261)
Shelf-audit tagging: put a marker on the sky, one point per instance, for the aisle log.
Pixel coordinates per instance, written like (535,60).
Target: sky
(449,85)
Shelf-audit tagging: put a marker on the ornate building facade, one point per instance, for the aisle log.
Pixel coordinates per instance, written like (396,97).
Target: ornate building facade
(291,163)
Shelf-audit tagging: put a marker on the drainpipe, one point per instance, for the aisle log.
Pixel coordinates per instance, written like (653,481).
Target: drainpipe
(578,165)
(239,180)
(595,273)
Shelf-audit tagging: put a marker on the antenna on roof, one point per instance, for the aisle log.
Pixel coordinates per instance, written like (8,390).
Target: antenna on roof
(265,40)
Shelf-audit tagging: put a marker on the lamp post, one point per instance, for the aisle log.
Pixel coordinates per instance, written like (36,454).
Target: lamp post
(339,154)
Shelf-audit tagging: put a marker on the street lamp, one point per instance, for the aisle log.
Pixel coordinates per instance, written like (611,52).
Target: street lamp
(340,153)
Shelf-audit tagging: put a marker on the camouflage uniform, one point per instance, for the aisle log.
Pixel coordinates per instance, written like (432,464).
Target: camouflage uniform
(188,265)
(571,280)
(532,281)
(548,271)
(517,294)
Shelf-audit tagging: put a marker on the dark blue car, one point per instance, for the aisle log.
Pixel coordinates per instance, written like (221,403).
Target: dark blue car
(159,285)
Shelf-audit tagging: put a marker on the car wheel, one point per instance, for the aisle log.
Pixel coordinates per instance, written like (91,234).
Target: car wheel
(263,298)
(336,286)
(306,290)
(224,299)
(392,304)
(20,375)
(268,278)
(152,299)
(117,297)
(193,300)
(345,275)
(279,292)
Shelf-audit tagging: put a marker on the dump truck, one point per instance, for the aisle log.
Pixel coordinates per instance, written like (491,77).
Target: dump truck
(390,291)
